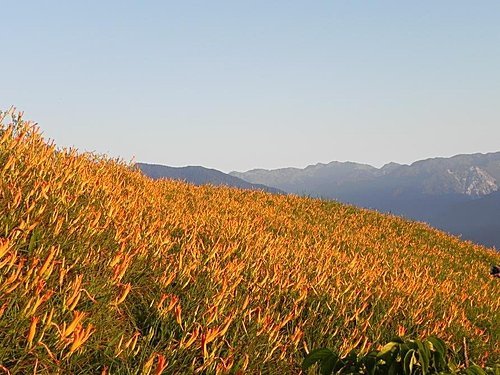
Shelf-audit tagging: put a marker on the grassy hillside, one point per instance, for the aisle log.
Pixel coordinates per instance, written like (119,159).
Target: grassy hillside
(103,270)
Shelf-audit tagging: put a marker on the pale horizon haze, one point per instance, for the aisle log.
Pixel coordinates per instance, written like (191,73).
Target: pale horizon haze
(243,85)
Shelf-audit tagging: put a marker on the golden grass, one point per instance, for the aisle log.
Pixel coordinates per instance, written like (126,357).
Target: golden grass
(103,270)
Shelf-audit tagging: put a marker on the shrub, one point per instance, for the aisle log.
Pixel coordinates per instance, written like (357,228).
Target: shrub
(398,357)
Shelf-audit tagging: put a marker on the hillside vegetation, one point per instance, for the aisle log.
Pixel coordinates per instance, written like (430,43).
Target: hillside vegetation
(103,270)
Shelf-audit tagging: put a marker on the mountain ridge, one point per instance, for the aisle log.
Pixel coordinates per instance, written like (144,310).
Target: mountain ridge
(495,154)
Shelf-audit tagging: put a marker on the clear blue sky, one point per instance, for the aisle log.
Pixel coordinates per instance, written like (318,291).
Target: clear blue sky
(236,85)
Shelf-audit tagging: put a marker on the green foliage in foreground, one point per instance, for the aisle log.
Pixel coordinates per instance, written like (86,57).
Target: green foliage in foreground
(398,357)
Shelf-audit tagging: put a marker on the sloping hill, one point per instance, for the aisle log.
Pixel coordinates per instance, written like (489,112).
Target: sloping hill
(200,176)
(105,270)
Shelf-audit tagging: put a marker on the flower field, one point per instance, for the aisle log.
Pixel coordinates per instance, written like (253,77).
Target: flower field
(103,270)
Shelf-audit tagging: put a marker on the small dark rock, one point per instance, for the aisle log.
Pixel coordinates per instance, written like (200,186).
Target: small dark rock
(495,271)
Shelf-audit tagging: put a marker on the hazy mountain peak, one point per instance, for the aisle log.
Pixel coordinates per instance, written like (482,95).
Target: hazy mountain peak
(390,166)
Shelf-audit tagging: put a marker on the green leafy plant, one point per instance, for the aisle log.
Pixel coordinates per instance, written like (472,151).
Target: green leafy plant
(408,357)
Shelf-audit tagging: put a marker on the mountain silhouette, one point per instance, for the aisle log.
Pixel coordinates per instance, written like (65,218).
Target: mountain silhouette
(200,176)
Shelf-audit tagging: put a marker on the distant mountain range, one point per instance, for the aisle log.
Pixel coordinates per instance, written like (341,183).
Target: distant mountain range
(458,194)
(201,176)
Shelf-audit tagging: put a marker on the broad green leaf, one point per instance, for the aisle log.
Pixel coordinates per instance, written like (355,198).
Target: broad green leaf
(403,349)
(424,356)
(438,345)
(393,369)
(387,350)
(370,362)
(438,352)
(317,355)
(412,344)
(327,364)
(408,362)
(398,340)
(439,362)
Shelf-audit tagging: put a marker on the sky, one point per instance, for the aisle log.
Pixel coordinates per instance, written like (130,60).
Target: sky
(236,85)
